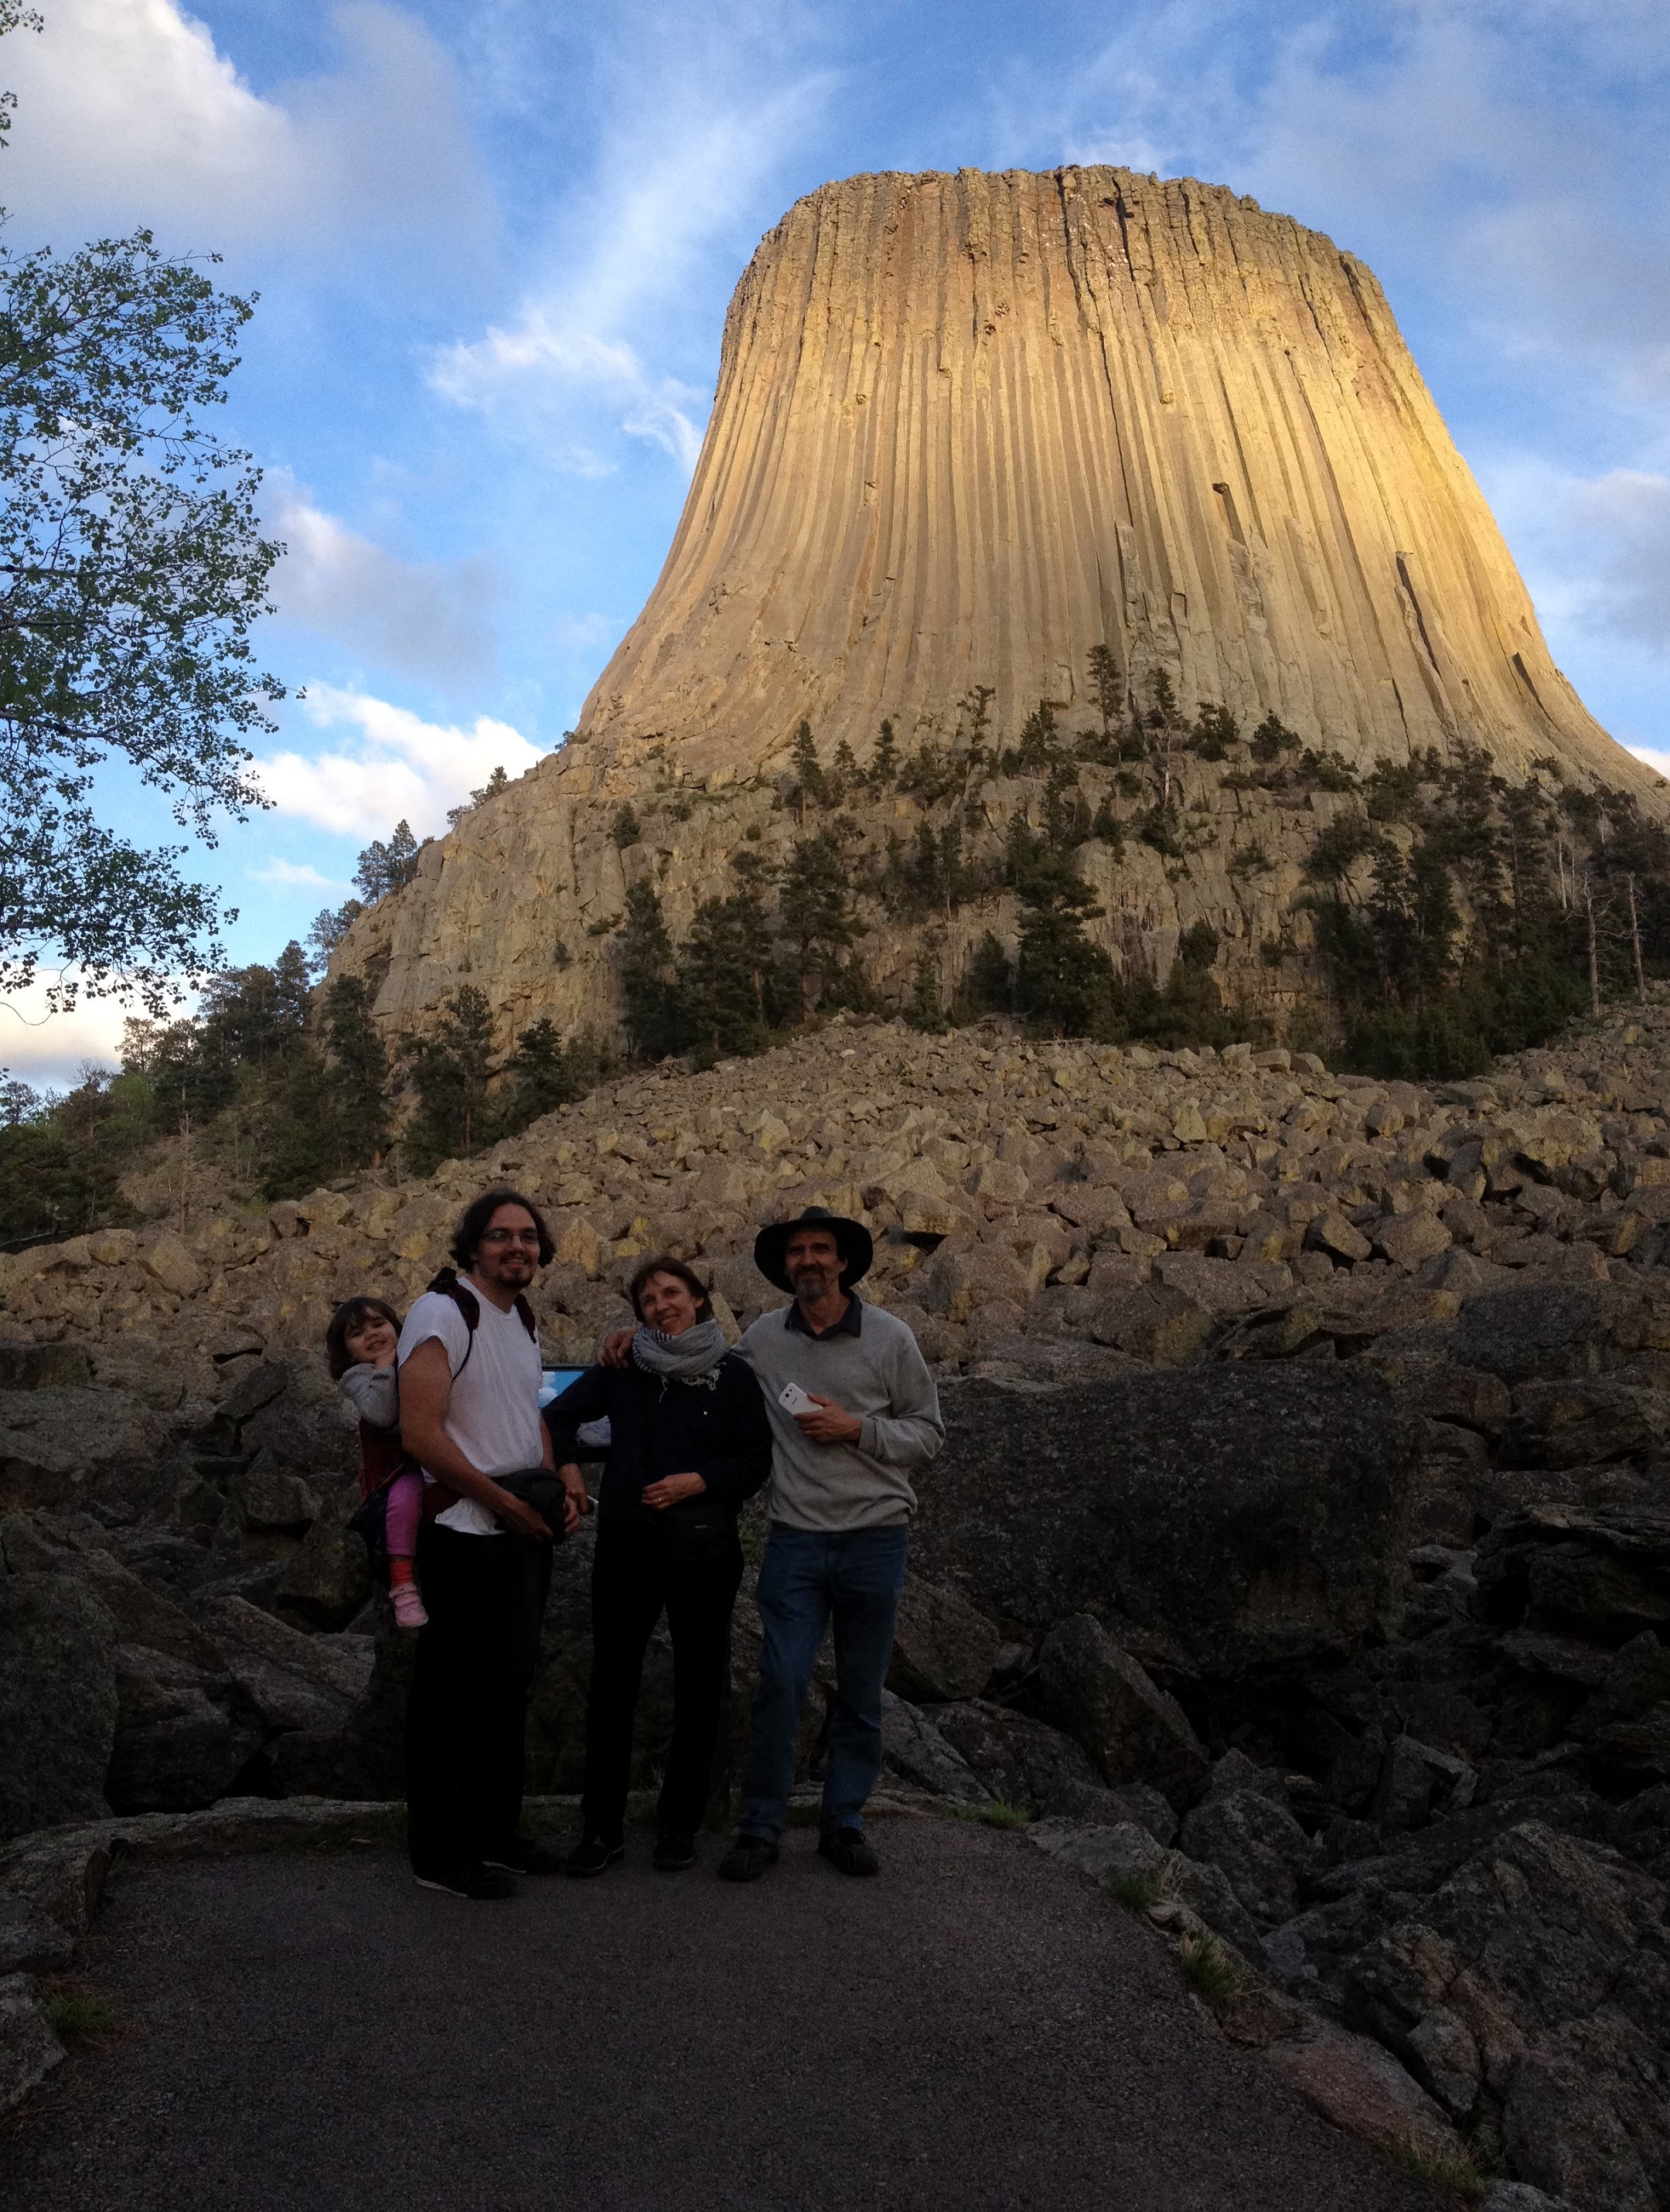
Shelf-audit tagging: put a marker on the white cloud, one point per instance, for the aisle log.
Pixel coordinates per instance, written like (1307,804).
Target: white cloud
(533,370)
(402,769)
(423,619)
(300,873)
(126,112)
(1654,758)
(47,1050)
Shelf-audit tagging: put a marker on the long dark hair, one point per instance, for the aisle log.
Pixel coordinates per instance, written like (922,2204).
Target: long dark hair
(467,1236)
(349,1318)
(662,1263)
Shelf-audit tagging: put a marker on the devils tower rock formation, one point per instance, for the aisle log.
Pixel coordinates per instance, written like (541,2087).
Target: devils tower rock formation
(967,429)
(970,426)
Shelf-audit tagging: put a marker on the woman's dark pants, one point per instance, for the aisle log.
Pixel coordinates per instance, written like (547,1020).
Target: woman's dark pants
(467,1713)
(640,1572)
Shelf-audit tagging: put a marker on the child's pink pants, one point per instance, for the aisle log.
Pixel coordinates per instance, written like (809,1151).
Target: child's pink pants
(403,1510)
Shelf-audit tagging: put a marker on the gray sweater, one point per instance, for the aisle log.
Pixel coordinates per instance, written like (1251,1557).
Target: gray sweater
(373,1392)
(880,1375)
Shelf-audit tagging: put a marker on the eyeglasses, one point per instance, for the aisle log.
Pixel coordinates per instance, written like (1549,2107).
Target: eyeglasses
(510,1236)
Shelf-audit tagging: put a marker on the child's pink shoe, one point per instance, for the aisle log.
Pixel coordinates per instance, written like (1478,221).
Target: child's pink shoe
(408,1606)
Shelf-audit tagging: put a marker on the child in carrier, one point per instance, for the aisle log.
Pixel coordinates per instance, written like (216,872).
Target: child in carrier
(360,1343)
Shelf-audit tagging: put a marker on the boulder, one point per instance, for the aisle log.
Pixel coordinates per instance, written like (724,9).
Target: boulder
(1020,1760)
(943,1649)
(288,1680)
(1257,1845)
(1361,2088)
(175,1747)
(1133,1730)
(1552,1953)
(914,1748)
(30,1942)
(29,2048)
(1600,1571)
(1089,1804)
(1536,1332)
(1221,1519)
(328,1579)
(1128,1852)
(57,1700)
(66,1446)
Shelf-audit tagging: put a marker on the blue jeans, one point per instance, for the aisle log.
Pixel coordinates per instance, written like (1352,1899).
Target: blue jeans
(805,1580)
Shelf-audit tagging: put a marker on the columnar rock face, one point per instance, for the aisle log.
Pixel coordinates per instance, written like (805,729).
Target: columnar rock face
(968,426)
(967,430)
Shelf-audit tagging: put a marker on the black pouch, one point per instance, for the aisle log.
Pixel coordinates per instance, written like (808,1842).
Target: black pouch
(695,1532)
(538,1488)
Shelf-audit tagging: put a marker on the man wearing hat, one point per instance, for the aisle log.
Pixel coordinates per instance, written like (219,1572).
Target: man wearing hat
(853,1411)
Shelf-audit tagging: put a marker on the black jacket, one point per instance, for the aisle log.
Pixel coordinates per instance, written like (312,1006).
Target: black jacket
(661,1427)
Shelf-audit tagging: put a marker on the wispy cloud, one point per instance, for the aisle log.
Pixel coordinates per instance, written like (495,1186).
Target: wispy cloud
(425,618)
(50,1049)
(400,767)
(298,873)
(701,110)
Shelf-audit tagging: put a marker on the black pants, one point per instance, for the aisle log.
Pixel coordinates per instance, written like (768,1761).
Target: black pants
(638,1573)
(466,1716)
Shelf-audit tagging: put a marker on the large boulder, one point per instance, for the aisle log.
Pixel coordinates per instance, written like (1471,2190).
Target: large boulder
(67,1446)
(943,1649)
(1018,1759)
(1218,1519)
(914,1749)
(1257,1844)
(57,1701)
(1133,1730)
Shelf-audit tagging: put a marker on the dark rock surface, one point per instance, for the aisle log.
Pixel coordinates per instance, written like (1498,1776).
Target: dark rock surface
(1233,1517)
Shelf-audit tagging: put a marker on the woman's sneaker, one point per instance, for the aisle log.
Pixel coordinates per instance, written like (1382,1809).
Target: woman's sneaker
(674,1853)
(592,1855)
(408,1606)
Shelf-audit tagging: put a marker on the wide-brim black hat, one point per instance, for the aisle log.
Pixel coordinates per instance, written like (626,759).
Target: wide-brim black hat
(853,1241)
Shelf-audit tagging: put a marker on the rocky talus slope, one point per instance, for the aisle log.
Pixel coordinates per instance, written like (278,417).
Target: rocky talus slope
(1299,1560)
(967,429)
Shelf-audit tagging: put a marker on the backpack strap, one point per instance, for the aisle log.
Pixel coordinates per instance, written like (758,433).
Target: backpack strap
(448,1286)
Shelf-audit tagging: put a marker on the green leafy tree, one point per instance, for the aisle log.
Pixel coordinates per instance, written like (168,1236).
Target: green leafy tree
(131,569)
(382,868)
(62,1159)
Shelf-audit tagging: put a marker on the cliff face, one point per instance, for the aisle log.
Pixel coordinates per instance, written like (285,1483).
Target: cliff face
(968,428)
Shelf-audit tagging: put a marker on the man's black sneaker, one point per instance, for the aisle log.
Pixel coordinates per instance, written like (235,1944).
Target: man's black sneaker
(849,1850)
(748,1859)
(674,1853)
(592,1855)
(519,1856)
(481,1882)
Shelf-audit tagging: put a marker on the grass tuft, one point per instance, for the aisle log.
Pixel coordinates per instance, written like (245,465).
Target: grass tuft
(997,1814)
(1210,1971)
(79,2016)
(1450,2170)
(1135,1891)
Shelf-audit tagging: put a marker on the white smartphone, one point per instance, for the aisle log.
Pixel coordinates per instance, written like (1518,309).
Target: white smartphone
(795,1399)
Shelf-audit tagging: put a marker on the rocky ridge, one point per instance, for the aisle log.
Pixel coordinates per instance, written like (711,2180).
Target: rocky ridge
(1299,1560)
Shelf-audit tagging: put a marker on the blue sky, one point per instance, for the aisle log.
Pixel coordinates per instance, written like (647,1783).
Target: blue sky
(495,239)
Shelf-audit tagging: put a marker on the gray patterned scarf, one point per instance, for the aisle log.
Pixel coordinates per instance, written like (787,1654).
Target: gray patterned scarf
(693,1358)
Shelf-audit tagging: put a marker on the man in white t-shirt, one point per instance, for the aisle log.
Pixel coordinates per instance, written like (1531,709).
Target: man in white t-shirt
(469,1413)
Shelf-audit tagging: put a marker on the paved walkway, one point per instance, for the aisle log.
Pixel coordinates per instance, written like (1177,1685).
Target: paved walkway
(979,2028)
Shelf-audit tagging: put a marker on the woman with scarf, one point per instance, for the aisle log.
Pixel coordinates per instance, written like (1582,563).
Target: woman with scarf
(689,1441)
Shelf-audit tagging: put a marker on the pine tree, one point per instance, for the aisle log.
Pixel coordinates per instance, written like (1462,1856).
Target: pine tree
(452,1070)
(885,761)
(987,983)
(925,1012)
(384,868)
(809,782)
(539,1076)
(1061,979)
(844,775)
(816,908)
(1106,687)
(650,1009)
(358,1070)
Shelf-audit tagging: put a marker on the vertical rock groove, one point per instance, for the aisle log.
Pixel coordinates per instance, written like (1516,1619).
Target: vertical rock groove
(969,426)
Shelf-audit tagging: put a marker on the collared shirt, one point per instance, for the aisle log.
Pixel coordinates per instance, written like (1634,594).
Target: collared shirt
(850,1324)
